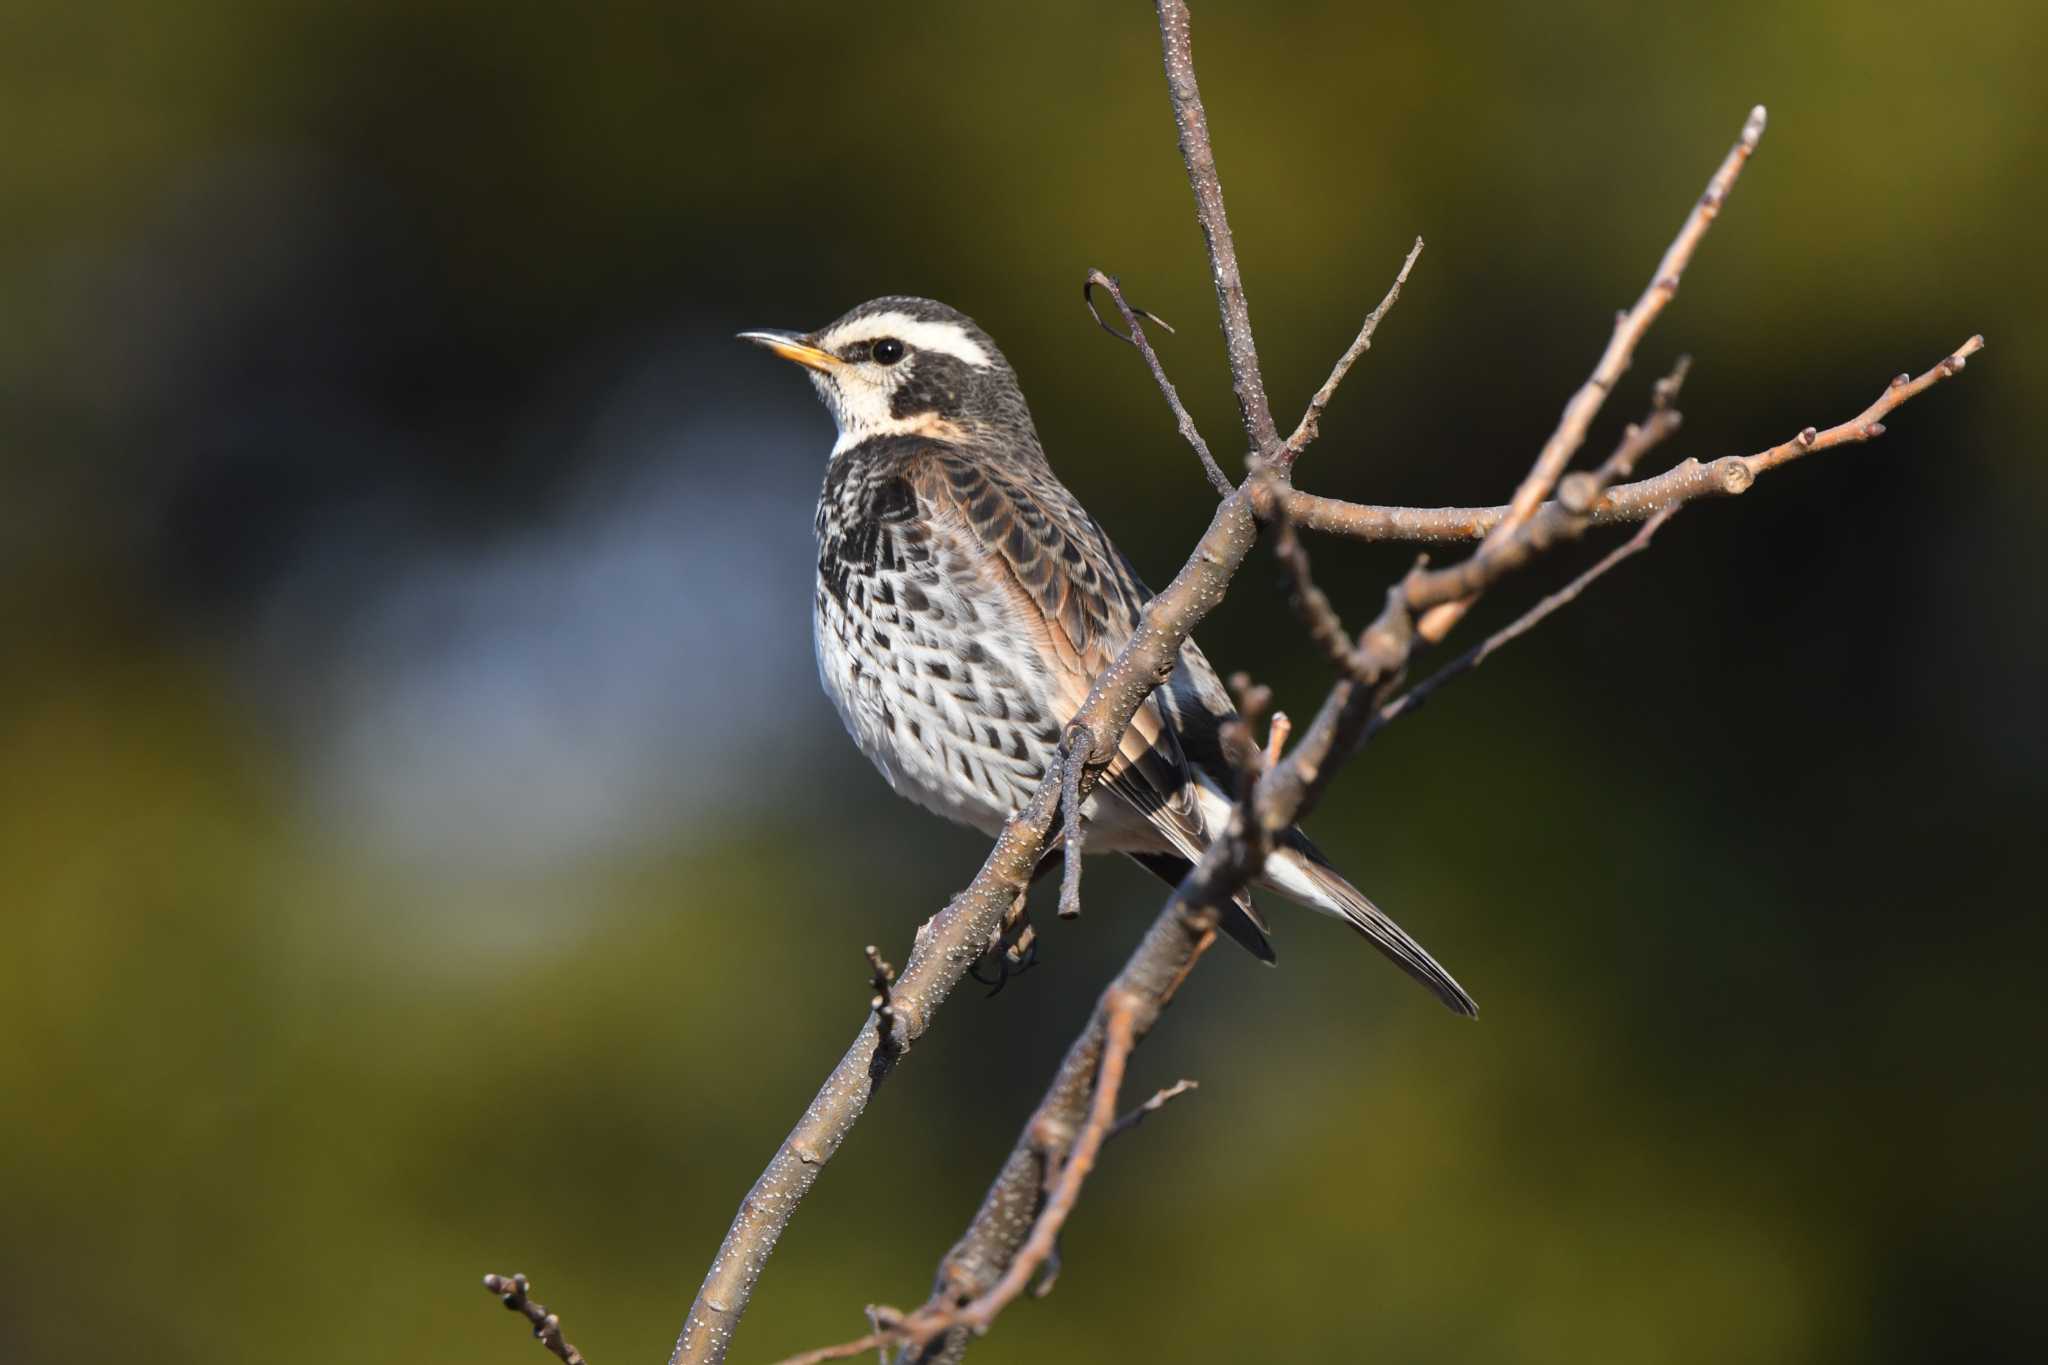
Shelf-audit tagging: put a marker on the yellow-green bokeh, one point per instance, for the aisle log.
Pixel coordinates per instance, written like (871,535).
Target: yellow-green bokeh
(1737,855)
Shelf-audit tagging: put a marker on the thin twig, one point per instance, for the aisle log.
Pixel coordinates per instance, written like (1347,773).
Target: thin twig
(1136,337)
(1281,795)
(1180,934)
(1311,603)
(875,1314)
(1276,737)
(1253,699)
(1311,421)
(1728,476)
(1239,732)
(1192,121)
(547,1328)
(953,938)
(937,1319)
(1152,1106)
(1412,700)
(1629,328)
(1119,1038)
(1292,788)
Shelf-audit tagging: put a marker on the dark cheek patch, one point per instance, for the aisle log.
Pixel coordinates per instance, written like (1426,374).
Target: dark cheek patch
(934,383)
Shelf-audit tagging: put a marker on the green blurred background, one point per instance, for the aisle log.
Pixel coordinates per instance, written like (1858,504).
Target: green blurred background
(428,850)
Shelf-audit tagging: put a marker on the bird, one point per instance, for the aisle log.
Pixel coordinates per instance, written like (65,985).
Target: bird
(966,602)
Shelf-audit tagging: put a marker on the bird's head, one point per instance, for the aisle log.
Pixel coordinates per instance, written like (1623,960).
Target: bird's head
(908,367)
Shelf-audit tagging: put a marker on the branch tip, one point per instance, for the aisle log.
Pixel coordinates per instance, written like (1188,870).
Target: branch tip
(1152,1106)
(1199,157)
(1276,738)
(1306,430)
(1136,337)
(1665,391)
(512,1291)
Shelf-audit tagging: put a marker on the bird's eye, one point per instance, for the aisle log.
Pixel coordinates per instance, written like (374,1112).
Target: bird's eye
(888,351)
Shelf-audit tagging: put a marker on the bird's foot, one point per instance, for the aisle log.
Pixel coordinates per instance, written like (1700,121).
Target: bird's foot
(1013,951)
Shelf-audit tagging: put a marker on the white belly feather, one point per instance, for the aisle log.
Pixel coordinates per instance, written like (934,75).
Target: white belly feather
(953,717)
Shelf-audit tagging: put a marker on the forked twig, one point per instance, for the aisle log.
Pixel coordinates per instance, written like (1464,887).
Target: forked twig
(937,1319)
(1413,699)
(1018,1225)
(1629,328)
(1622,504)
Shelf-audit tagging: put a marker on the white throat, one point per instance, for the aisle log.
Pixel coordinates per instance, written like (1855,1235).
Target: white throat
(927,424)
(861,394)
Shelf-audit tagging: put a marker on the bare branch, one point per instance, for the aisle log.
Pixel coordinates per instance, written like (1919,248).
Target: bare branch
(1029,1203)
(990,1265)
(1311,603)
(1281,795)
(1412,700)
(1136,337)
(547,1328)
(1012,1217)
(1119,1037)
(1152,1106)
(1311,421)
(1376,664)
(1629,328)
(952,940)
(1193,123)
(1253,699)
(1727,476)
(1178,937)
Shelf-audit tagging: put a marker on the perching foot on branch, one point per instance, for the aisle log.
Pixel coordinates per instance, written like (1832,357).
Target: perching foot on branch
(1014,949)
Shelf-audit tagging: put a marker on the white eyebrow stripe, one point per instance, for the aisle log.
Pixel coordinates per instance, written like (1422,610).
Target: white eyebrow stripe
(947,337)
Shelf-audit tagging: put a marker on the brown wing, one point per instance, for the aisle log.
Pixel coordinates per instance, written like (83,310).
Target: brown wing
(1073,587)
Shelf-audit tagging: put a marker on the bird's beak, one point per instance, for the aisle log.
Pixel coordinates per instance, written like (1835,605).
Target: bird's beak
(792,346)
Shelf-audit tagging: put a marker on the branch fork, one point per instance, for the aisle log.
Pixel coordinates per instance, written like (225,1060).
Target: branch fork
(1012,1241)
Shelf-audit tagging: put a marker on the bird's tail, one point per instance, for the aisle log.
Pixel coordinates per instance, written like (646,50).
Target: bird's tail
(1242,921)
(1296,870)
